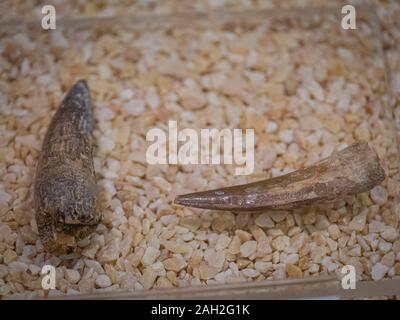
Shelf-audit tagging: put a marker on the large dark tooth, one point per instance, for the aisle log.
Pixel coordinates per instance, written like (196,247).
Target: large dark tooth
(65,185)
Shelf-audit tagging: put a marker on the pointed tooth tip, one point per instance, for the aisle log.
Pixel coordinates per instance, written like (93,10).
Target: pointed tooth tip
(187,200)
(196,199)
(81,84)
(80,87)
(182,200)
(79,93)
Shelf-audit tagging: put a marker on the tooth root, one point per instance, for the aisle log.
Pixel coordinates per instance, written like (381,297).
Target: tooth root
(352,170)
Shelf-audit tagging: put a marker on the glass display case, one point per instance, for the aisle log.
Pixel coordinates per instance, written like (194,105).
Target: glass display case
(307,87)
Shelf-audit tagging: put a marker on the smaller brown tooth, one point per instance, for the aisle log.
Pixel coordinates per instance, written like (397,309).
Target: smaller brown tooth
(350,171)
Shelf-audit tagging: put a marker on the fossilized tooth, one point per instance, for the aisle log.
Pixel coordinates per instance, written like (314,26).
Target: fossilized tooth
(352,170)
(65,191)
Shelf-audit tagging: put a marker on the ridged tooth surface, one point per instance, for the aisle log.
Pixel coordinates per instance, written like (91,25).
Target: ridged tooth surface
(65,186)
(352,170)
